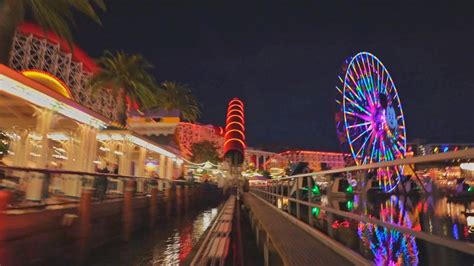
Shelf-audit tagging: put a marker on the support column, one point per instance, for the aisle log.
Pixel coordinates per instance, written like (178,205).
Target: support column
(81,151)
(179,197)
(162,166)
(169,168)
(84,224)
(35,183)
(153,211)
(186,196)
(141,162)
(169,200)
(20,149)
(257,162)
(127,212)
(125,159)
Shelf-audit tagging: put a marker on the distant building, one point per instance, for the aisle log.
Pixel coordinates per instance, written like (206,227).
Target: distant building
(419,148)
(189,133)
(317,160)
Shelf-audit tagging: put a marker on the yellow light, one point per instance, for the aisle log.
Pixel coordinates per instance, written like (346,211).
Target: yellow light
(49,81)
(150,167)
(38,98)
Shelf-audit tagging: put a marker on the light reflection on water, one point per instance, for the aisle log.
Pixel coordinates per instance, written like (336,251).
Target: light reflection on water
(180,243)
(169,244)
(438,216)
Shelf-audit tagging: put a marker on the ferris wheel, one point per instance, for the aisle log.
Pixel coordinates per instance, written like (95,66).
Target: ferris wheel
(370,118)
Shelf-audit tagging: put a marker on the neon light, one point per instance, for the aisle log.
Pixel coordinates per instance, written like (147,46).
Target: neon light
(235,130)
(236,101)
(236,139)
(316,190)
(236,110)
(350,205)
(49,81)
(315,211)
(238,117)
(349,189)
(234,122)
(231,107)
(365,79)
(38,98)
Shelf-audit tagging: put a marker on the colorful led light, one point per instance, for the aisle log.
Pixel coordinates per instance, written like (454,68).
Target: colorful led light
(374,124)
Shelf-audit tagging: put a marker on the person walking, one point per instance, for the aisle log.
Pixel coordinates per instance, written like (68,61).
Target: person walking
(101,183)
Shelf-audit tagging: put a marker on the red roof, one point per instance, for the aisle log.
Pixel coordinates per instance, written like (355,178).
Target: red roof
(78,55)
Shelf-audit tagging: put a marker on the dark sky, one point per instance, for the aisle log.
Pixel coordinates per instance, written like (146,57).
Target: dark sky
(283,57)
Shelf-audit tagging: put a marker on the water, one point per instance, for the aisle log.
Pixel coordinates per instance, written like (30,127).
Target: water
(169,244)
(436,216)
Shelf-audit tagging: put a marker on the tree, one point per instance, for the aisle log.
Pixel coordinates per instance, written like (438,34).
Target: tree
(204,151)
(173,95)
(126,75)
(53,15)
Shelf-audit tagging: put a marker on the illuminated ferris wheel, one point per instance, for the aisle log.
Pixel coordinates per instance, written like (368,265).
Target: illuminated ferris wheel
(370,117)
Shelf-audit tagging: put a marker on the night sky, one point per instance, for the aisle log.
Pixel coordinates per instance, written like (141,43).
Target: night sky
(283,57)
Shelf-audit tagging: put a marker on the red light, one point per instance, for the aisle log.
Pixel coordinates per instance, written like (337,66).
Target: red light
(235,123)
(237,116)
(235,130)
(234,139)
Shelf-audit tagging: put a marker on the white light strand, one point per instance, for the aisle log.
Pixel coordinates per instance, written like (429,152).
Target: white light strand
(38,98)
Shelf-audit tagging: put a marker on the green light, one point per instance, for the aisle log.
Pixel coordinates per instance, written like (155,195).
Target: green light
(315,190)
(470,189)
(315,212)
(349,205)
(349,189)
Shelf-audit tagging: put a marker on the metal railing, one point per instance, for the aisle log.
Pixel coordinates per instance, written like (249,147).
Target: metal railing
(293,195)
(34,186)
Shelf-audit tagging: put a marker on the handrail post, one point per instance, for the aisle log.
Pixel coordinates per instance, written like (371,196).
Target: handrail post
(85,227)
(310,199)
(127,213)
(186,196)
(288,196)
(179,197)
(4,198)
(169,199)
(153,211)
(297,198)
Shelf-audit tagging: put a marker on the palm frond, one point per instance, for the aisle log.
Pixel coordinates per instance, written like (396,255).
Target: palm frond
(178,96)
(58,15)
(128,74)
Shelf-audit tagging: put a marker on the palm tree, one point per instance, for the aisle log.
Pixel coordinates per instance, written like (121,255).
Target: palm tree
(53,15)
(178,96)
(126,75)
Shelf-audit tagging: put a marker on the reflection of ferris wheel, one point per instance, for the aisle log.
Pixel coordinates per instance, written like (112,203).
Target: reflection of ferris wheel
(390,247)
(370,118)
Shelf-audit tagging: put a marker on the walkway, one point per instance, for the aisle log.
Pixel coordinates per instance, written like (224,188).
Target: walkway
(293,244)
